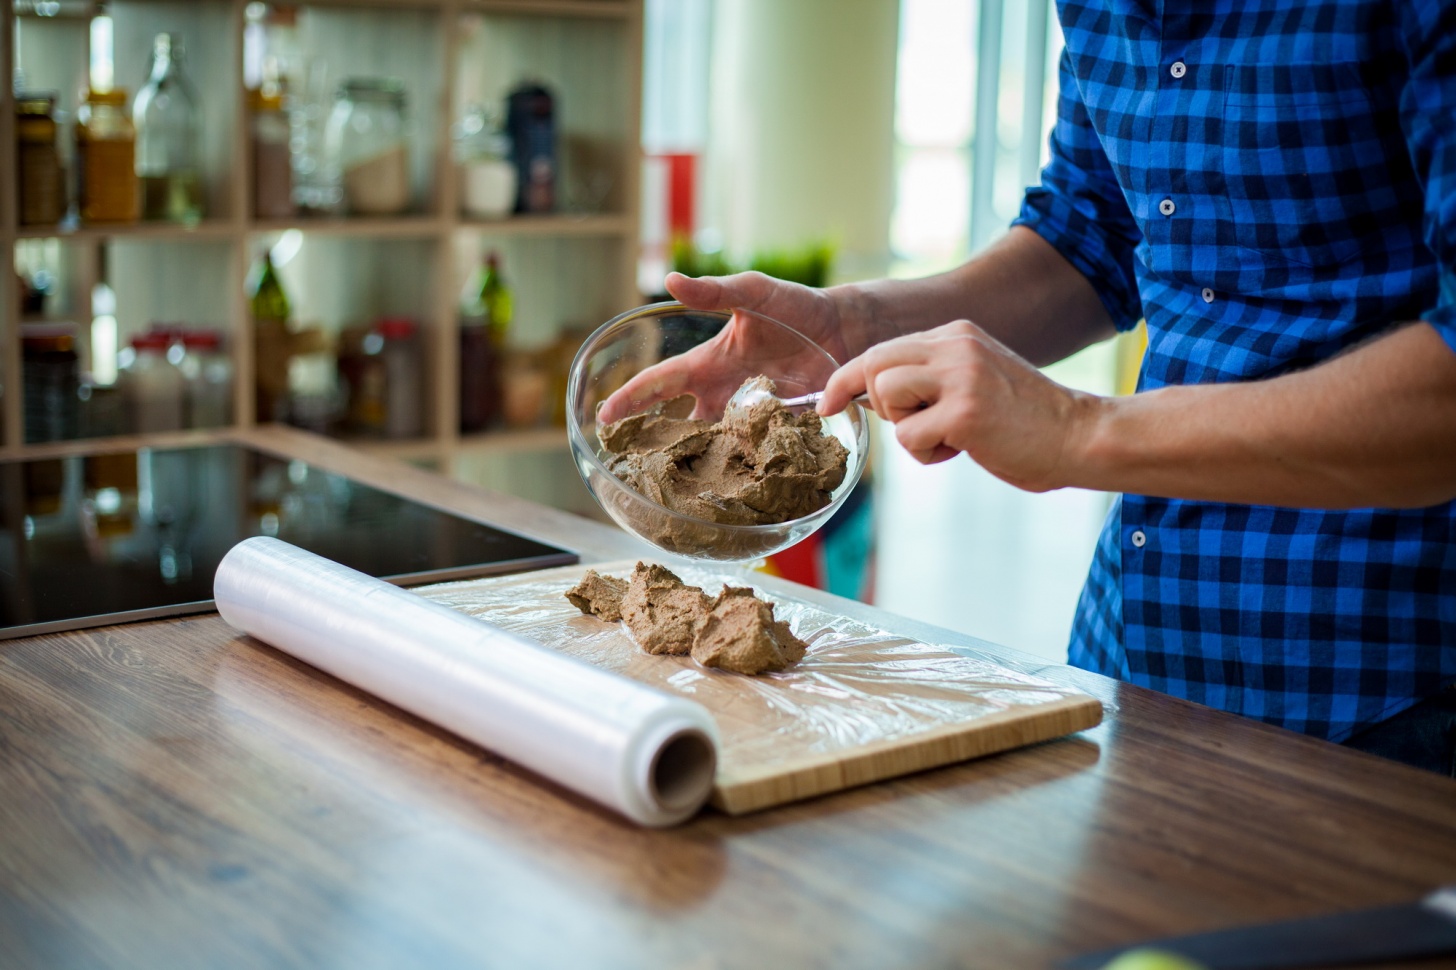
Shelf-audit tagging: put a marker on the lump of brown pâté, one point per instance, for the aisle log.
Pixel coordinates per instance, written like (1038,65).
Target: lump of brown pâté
(599,595)
(741,634)
(761,464)
(735,631)
(662,611)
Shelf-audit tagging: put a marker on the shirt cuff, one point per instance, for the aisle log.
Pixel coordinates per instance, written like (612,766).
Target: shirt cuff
(1443,315)
(1104,258)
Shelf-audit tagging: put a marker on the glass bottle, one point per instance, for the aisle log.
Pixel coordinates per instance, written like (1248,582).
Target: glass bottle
(168,125)
(365,147)
(272,158)
(485,316)
(272,341)
(106,158)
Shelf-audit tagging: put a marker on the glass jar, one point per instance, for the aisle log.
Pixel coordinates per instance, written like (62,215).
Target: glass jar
(487,176)
(50,373)
(168,125)
(106,159)
(38,163)
(208,376)
(366,147)
(153,386)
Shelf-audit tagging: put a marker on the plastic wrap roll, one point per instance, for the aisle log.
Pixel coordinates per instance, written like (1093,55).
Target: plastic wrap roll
(632,748)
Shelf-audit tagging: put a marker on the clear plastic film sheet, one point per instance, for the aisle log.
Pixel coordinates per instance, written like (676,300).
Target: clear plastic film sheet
(858,685)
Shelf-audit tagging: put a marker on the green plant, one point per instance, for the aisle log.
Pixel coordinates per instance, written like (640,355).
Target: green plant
(809,265)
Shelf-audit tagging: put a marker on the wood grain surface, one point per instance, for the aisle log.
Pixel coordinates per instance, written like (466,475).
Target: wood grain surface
(172,795)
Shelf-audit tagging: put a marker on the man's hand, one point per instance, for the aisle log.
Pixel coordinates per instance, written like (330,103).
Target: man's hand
(954,389)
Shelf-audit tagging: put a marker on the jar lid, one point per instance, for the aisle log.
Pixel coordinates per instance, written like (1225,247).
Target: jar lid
(373,89)
(262,100)
(152,341)
(395,328)
(116,96)
(35,102)
(201,339)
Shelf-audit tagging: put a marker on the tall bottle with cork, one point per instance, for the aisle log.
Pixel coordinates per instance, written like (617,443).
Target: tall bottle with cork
(485,319)
(272,341)
(168,126)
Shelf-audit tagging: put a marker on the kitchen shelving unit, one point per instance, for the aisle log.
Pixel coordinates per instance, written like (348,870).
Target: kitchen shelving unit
(569,271)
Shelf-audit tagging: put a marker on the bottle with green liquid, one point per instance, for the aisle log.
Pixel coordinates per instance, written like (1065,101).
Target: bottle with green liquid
(485,320)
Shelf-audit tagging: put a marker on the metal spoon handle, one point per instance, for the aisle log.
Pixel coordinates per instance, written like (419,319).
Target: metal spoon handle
(813,398)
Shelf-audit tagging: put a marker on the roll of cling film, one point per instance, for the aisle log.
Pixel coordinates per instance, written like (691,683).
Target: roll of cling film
(643,753)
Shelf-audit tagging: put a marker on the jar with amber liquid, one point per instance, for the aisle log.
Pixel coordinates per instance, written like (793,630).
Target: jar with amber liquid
(38,164)
(106,159)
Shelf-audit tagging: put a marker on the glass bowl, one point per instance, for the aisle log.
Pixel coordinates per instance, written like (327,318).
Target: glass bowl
(701,357)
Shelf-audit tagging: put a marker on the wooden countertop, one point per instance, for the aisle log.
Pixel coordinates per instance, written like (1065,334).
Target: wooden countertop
(174,796)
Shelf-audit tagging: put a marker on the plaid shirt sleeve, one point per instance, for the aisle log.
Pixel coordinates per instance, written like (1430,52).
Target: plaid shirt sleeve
(1428,115)
(1079,207)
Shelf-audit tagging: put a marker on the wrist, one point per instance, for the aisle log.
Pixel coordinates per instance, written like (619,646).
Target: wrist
(857,311)
(1090,456)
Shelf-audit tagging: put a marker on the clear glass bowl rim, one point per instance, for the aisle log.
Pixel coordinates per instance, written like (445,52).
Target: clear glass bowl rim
(575,431)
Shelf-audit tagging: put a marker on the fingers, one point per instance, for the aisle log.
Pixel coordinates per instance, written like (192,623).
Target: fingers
(658,383)
(844,385)
(751,290)
(863,375)
(924,435)
(905,390)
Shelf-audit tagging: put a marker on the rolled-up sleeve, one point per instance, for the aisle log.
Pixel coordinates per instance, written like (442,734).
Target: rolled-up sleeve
(1428,115)
(1079,208)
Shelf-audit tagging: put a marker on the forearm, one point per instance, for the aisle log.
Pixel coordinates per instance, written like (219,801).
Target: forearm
(1372,427)
(1019,289)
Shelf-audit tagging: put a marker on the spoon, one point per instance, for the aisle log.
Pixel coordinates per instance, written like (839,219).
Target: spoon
(752,392)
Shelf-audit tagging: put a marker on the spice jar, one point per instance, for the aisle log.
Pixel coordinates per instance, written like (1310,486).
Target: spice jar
(38,164)
(106,159)
(362,375)
(403,382)
(208,376)
(365,146)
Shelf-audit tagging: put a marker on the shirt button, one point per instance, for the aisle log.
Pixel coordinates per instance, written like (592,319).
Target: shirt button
(1166,207)
(1178,69)
(1207,295)
(1138,539)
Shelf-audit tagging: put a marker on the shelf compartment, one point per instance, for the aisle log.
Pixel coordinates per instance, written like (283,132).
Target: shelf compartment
(583,63)
(402,41)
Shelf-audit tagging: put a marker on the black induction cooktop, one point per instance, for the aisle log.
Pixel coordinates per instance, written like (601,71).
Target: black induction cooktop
(97,539)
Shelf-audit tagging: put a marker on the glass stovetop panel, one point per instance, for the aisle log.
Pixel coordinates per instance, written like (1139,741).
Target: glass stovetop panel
(96,539)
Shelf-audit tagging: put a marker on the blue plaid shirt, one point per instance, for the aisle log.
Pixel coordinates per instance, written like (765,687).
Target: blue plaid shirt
(1267,182)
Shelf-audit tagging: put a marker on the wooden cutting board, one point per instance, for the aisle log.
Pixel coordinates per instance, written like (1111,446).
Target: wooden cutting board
(864,704)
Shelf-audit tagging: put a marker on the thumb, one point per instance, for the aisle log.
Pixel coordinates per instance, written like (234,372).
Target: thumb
(700,293)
